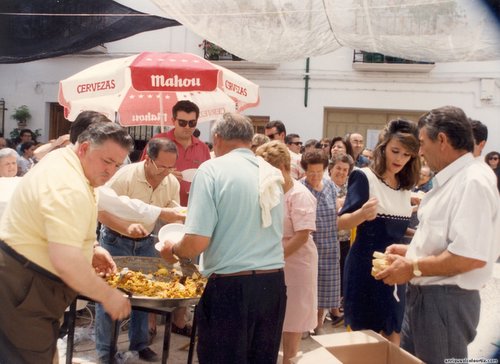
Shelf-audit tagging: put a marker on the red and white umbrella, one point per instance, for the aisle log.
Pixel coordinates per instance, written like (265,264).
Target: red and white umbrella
(141,89)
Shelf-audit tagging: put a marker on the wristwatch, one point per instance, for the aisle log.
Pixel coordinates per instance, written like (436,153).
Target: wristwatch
(416,270)
(180,259)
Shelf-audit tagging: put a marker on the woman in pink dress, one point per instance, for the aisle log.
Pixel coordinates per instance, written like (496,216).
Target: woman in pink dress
(301,256)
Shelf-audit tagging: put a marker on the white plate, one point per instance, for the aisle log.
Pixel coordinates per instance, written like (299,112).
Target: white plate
(188,174)
(173,232)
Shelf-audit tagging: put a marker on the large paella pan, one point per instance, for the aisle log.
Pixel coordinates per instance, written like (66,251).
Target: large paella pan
(154,283)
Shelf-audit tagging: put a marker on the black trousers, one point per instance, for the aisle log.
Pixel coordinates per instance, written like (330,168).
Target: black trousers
(240,319)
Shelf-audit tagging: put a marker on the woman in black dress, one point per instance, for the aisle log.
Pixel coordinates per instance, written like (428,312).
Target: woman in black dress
(378,203)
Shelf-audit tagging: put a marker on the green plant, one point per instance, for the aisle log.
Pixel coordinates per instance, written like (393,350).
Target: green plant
(21,114)
(211,49)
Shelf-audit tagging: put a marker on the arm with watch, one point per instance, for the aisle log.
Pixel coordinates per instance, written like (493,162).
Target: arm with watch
(402,269)
(189,247)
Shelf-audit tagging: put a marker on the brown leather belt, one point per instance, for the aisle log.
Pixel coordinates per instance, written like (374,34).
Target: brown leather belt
(116,233)
(245,273)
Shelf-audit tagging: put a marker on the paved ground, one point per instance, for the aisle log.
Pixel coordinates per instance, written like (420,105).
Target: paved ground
(488,333)
(482,346)
(84,352)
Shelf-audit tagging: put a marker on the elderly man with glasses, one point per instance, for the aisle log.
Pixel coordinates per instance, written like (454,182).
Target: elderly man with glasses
(192,151)
(150,181)
(355,140)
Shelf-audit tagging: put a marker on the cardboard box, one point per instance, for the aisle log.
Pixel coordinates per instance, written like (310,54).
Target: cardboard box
(357,347)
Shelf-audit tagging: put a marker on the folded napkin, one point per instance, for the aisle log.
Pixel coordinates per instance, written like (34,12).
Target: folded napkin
(270,190)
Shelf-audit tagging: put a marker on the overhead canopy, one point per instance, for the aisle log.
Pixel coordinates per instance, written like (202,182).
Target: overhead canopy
(31,30)
(276,30)
(262,31)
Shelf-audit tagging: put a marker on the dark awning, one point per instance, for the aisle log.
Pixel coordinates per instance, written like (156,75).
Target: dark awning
(37,29)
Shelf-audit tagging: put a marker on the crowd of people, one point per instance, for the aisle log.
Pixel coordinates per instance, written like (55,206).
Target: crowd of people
(29,150)
(287,230)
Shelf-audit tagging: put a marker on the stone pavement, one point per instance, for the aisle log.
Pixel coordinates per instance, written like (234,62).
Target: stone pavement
(482,346)
(84,352)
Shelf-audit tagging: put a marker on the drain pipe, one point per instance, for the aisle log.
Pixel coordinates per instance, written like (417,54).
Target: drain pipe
(306,86)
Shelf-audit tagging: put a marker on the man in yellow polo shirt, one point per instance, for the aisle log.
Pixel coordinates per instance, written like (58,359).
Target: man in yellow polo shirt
(47,234)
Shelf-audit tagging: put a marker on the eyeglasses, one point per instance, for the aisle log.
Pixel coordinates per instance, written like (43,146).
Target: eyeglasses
(493,158)
(272,136)
(184,123)
(296,143)
(162,169)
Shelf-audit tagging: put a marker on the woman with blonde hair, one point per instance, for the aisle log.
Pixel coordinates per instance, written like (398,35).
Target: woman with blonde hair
(378,203)
(258,140)
(301,256)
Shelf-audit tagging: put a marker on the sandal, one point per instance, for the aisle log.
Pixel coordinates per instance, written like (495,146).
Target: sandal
(185,331)
(337,320)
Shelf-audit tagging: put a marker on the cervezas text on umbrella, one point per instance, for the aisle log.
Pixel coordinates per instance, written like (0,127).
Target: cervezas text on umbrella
(96,86)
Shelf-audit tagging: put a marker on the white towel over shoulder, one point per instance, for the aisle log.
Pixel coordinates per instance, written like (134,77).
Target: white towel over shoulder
(270,189)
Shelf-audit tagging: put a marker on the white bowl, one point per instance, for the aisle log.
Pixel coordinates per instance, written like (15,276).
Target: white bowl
(188,174)
(173,232)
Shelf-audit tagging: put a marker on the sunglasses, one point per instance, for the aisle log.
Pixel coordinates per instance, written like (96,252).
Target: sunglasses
(272,136)
(184,123)
(296,143)
(324,145)
(493,158)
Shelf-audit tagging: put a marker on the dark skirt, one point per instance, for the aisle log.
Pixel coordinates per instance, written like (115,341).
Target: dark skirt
(369,303)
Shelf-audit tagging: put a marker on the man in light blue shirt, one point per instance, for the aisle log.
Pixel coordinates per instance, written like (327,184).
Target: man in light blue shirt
(240,315)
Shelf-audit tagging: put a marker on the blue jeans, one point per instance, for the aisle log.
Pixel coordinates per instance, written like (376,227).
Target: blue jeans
(138,329)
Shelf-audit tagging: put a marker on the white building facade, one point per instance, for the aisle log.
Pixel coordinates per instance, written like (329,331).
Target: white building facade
(338,96)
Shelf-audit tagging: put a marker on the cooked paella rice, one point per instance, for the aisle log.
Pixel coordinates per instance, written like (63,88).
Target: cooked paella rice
(163,283)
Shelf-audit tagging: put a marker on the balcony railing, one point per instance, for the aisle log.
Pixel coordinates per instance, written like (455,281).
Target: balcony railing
(368,61)
(225,59)
(213,52)
(368,57)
